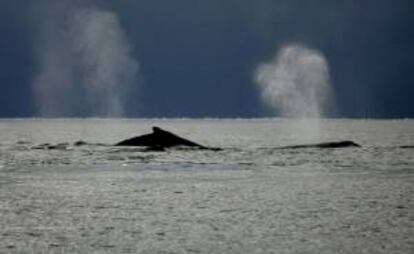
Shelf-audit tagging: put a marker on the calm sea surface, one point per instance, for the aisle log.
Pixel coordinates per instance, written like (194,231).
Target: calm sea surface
(385,144)
(250,197)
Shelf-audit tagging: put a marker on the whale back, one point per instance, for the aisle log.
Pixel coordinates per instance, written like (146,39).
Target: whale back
(158,138)
(336,144)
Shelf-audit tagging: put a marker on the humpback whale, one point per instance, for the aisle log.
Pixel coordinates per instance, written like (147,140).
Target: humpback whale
(337,144)
(160,139)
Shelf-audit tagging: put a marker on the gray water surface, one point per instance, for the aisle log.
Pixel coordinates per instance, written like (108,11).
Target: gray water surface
(248,198)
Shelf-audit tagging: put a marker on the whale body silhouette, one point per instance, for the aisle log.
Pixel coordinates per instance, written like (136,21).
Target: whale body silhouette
(336,144)
(160,139)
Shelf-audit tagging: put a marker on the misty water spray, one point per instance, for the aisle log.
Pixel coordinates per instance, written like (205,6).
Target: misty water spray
(296,84)
(85,64)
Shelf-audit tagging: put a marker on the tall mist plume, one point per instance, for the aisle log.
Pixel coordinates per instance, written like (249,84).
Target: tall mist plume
(85,64)
(296,84)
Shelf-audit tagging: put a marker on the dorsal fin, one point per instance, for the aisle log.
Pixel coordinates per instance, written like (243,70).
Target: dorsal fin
(156,129)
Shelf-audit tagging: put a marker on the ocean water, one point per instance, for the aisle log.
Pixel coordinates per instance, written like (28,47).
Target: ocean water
(250,197)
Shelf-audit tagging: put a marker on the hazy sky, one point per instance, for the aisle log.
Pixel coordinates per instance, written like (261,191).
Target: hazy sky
(197,58)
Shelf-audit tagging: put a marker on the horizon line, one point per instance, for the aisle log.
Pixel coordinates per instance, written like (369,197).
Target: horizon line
(204,118)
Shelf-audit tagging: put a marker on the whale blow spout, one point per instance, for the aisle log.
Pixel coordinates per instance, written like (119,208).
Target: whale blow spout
(160,139)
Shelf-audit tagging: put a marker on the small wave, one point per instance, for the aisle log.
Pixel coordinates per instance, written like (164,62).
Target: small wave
(47,146)
(23,142)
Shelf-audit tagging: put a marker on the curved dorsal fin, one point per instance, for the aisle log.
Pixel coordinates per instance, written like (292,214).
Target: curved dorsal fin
(156,129)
